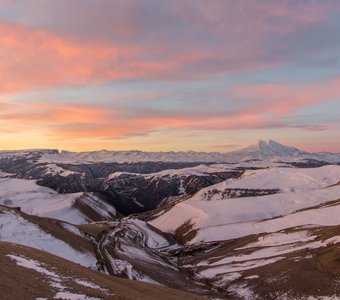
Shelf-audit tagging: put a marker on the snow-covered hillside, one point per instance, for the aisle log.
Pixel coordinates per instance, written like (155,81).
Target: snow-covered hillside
(14,228)
(213,215)
(45,202)
(284,179)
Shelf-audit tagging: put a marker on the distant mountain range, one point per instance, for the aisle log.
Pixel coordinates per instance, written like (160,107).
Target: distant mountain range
(263,150)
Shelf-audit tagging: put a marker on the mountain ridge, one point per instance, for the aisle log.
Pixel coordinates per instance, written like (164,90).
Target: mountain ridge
(264,150)
(260,144)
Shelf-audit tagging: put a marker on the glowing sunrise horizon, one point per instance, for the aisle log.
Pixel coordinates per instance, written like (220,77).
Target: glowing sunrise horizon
(176,75)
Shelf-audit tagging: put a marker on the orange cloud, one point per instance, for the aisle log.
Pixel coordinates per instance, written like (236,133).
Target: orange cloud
(282,99)
(74,123)
(119,41)
(81,121)
(50,113)
(266,107)
(35,58)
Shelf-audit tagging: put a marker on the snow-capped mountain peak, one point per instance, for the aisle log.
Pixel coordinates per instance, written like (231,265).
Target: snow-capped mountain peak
(271,147)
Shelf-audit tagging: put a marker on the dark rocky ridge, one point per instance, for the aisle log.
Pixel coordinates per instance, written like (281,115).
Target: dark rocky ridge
(137,193)
(128,193)
(239,193)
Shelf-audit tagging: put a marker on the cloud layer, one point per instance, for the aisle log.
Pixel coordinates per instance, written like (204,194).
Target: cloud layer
(222,66)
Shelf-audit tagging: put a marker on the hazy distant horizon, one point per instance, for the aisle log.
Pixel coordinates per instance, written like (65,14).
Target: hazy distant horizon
(138,150)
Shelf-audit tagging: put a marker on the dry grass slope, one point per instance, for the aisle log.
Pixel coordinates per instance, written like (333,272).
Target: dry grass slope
(21,283)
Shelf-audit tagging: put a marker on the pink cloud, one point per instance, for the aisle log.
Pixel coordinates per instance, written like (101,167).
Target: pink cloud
(177,40)
(35,58)
(282,99)
(76,122)
(317,145)
(120,41)
(80,121)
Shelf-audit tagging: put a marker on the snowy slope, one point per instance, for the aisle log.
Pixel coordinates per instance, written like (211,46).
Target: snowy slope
(268,249)
(284,179)
(45,202)
(274,262)
(17,230)
(325,216)
(230,218)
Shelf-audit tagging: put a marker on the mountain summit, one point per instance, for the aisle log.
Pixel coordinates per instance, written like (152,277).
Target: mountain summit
(270,148)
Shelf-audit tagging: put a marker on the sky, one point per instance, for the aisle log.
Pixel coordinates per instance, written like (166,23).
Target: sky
(175,75)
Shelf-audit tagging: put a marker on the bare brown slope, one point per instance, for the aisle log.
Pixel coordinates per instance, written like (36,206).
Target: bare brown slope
(17,282)
(299,274)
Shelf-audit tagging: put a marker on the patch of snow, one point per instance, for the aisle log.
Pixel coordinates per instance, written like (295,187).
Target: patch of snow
(116,175)
(104,209)
(241,290)
(121,266)
(252,277)
(131,252)
(197,170)
(89,284)
(5,174)
(181,189)
(53,169)
(55,280)
(73,296)
(17,230)
(34,265)
(241,266)
(333,240)
(257,258)
(210,273)
(258,254)
(73,229)
(280,238)
(153,240)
